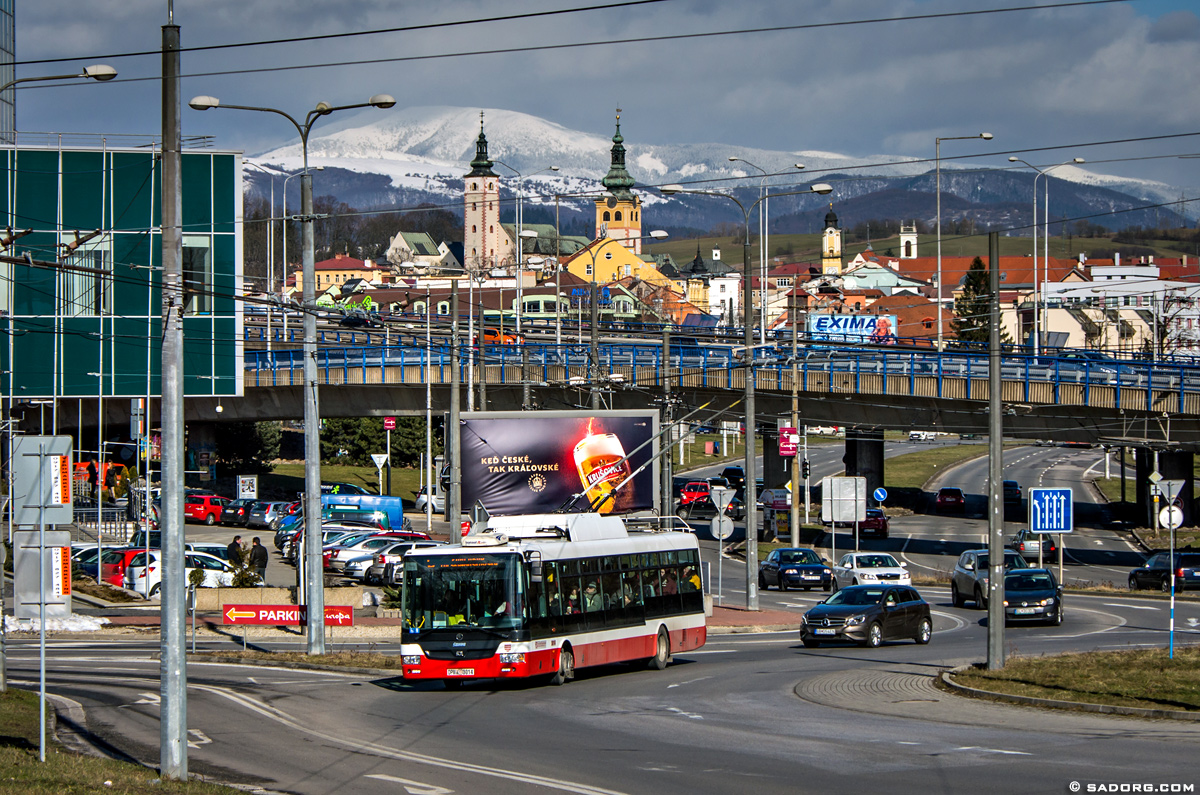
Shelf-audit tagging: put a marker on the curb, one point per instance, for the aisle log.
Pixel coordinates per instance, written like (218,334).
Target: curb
(755,628)
(389,673)
(944,678)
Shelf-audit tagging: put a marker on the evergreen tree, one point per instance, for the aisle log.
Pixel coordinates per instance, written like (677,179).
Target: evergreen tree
(353,440)
(248,448)
(972,321)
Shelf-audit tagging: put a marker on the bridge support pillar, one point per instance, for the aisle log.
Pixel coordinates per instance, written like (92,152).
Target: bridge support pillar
(864,457)
(1172,466)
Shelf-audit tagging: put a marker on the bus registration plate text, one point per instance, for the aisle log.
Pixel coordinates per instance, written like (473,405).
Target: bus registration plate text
(460,672)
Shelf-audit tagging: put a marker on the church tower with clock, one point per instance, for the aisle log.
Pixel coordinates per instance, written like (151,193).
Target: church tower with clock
(619,214)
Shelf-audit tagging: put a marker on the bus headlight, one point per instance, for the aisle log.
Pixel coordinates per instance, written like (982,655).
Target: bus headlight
(513,657)
(411,659)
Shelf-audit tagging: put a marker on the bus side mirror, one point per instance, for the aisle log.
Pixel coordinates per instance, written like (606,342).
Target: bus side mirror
(535,570)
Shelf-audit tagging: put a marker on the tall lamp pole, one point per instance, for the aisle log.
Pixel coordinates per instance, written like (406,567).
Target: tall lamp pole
(314,570)
(750,490)
(521,236)
(1037,306)
(763,233)
(937,158)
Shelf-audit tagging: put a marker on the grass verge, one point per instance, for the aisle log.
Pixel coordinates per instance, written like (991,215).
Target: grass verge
(67,772)
(103,591)
(342,659)
(1144,678)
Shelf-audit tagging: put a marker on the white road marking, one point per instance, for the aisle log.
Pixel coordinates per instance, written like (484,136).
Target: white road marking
(365,746)
(149,698)
(691,715)
(707,651)
(688,682)
(992,750)
(411,787)
(201,738)
(1131,607)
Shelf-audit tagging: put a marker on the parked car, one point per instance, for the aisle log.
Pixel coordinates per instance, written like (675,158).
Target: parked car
(1027,542)
(139,576)
(791,567)
(705,509)
(1156,572)
(360,318)
(337,554)
(868,615)
(236,512)
(423,498)
(950,498)
(205,508)
(869,568)
(387,562)
(263,513)
(970,577)
(1032,595)
(875,523)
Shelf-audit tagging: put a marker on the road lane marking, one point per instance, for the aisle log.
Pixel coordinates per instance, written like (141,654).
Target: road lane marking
(688,682)
(992,750)
(410,786)
(201,738)
(1131,607)
(363,746)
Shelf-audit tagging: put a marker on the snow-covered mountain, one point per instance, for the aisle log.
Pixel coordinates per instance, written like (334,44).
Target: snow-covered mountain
(423,152)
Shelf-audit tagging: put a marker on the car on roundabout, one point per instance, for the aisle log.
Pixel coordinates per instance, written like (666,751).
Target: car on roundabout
(1156,572)
(869,568)
(969,580)
(875,523)
(794,567)
(868,615)
(950,498)
(1032,595)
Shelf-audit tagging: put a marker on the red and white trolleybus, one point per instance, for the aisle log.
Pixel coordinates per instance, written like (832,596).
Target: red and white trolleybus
(545,594)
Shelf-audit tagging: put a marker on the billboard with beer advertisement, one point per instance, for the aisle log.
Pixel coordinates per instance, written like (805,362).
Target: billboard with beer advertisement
(517,462)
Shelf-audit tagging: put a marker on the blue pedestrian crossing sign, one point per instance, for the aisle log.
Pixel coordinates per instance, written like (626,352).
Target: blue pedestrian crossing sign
(1051,511)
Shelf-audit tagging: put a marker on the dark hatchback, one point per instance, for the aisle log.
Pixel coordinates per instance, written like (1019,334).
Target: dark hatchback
(1156,572)
(236,512)
(869,615)
(790,567)
(1032,595)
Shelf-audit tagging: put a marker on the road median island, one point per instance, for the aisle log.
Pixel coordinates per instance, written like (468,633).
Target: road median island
(1144,683)
(67,771)
(363,663)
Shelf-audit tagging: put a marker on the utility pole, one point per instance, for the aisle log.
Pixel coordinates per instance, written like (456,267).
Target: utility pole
(795,512)
(454,498)
(594,352)
(995,597)
(665,470)
(173,638)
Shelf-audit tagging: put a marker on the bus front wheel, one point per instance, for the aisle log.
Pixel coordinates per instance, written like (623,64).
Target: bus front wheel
(662,652)
(566,667)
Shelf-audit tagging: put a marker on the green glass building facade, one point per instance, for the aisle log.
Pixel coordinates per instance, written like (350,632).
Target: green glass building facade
(87,321)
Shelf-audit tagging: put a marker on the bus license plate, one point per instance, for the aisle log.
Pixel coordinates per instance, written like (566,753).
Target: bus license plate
(460,672)
(824,631)
(1025,611)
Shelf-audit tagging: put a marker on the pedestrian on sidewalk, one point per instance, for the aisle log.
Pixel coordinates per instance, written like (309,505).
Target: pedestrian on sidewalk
(234,551)
(258,560)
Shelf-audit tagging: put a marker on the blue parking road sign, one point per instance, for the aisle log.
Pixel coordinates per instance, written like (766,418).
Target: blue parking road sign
(1050,511)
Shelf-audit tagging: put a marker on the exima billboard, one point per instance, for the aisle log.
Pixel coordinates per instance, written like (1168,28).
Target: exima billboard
(852,328)
(517,462)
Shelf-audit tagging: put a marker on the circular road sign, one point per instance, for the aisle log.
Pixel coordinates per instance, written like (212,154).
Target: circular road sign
(721,527)
(880,494)
(1171,517)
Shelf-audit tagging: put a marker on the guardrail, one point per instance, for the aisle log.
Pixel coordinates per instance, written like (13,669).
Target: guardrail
(951,374)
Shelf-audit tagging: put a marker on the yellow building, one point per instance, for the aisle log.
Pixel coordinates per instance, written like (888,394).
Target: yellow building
(604,260)
(831,245)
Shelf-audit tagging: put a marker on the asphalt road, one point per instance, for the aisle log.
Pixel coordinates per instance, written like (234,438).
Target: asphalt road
(746,713)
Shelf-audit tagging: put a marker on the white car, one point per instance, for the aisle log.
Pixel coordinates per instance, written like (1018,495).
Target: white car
(139,577)
(419,506)
(869,568)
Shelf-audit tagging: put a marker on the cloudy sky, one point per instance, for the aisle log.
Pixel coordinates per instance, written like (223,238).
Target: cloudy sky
(859,77)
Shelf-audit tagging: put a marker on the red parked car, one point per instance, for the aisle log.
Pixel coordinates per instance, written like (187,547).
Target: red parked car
(204,508)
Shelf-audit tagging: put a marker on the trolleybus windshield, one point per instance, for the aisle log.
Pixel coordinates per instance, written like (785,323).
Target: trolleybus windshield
(468,590)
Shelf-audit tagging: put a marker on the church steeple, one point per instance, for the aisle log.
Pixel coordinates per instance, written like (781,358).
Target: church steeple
(617,181)
(481,166)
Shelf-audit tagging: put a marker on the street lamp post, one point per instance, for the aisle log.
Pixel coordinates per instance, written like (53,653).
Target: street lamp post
(763,234)
(314,570)
(101,73)
(657,234)
(521,236)
(1037,307)
(750,490)
(937,157)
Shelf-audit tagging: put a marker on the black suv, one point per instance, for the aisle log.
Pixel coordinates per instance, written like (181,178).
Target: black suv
(1156,572)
